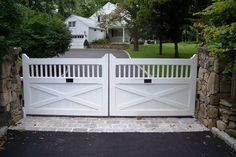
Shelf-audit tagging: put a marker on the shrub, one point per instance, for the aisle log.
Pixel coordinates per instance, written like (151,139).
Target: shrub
(100,41)
(41,35)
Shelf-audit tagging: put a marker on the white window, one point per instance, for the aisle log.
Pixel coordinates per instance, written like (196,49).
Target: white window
(78,36)
(71,23)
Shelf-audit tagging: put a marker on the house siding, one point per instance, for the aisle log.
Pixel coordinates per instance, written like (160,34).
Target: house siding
(95,35)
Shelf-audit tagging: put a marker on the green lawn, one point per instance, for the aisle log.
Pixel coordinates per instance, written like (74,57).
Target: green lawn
(186,50)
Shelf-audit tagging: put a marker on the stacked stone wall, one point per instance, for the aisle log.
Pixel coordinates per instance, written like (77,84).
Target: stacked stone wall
(10,89)
(213,85)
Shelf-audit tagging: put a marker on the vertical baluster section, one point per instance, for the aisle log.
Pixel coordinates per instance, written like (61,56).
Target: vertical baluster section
(88,70)
(134,71)
(139,75)
(92,71)
(59,68)
(182,71)
(124,67)
(32,70)
(97,70)
(153,71)
(148,67)
(163,71)
(64,70)
(37,71)
(143,68)
(73,70)
(187,73)
(46,70)
(167,71)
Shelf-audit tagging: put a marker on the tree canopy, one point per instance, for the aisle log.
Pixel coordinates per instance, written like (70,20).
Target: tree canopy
(219,33)
(38,32)
(10,19)
(41,35)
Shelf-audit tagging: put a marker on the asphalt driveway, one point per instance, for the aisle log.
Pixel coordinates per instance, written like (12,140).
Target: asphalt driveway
(93,53)
(62,144)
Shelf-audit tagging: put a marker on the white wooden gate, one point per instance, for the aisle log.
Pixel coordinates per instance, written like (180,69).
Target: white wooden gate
(152,87)
(110,86)
(66,86)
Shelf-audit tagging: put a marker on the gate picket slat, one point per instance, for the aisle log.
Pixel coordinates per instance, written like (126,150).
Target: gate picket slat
(148,71)
(139,75)
(59,70)
(143,71)
(134,70)
(124,71)
(97,70)
(32,70)
(73,70)
(182,71)
(64,70)
(153,71)
(177,71)
(167,71)
(187,73)
(37,70)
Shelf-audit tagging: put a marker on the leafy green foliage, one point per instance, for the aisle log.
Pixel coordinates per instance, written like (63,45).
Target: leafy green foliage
(41,35)
(219,30)
(100,41)
(62,7)
(10,19)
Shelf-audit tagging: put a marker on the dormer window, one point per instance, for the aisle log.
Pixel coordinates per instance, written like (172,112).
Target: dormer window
(71,23)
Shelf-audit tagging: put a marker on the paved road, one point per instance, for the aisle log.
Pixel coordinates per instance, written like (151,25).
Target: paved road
(62,144)
(93,53)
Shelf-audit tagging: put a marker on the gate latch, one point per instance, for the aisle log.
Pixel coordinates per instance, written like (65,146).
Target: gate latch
(69,80)
(147,80)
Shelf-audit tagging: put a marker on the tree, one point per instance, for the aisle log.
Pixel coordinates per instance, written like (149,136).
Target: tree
(10,19)
(64,7)
(41,35)
(135,24)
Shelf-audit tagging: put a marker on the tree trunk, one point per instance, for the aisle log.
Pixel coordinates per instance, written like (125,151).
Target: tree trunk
(176,49)
(233,86)
(136,46)
(160,48)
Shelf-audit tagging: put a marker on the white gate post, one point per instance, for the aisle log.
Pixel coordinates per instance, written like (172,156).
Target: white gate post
(193,75)
(27,95)
(112,85)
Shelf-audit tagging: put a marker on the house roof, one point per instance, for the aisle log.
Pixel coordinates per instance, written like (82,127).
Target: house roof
(106,9)
(88,22)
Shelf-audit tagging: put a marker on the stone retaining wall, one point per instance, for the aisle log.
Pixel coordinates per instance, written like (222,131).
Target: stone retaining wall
(10,89)
(212,86)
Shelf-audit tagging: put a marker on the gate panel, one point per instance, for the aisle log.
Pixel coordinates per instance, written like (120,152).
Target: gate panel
(152,87)
(66,86)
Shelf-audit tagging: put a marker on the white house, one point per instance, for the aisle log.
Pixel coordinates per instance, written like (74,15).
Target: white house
(91,29)
(116,29)
(83,29)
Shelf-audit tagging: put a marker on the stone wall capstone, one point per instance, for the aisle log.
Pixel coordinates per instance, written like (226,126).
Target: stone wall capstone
(10,89)
(212,86)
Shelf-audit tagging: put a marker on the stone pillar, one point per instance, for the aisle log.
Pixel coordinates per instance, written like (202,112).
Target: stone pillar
(10,89)
(212,86)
